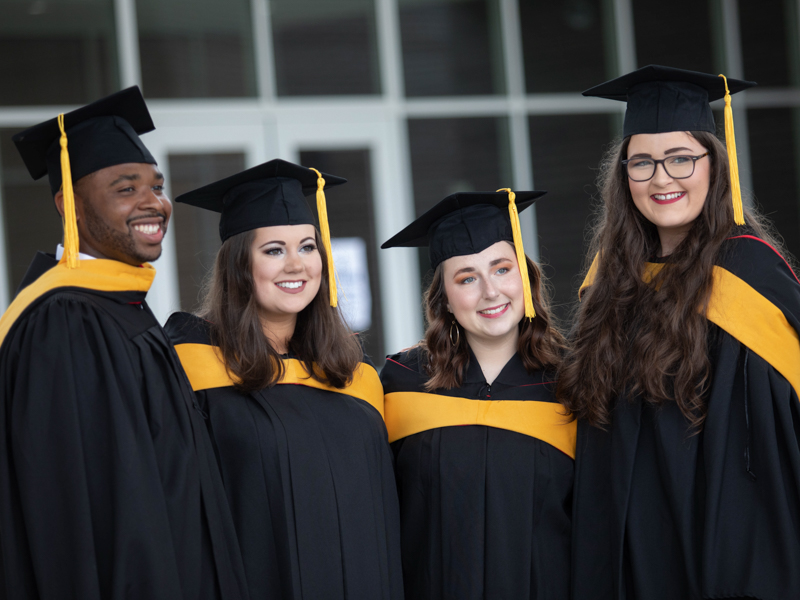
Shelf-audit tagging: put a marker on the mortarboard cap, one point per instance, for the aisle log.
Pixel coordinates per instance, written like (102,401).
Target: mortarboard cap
(664,99)
(468,223)
(101,134)
(271,194)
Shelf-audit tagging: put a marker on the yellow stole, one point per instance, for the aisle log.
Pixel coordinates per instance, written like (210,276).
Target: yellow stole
(206,370)
(740,310)
(98,274)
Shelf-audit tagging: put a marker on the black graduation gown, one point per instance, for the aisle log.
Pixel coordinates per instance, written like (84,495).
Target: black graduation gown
(108,483)
(308,474)
(661,513)
(485,512)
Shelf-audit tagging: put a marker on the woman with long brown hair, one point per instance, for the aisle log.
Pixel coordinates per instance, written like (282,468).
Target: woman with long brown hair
(293,405)
(484,454)
(685,366)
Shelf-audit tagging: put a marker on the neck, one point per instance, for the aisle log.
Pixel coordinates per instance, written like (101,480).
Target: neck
(493,353)
(671,238)
(279,333)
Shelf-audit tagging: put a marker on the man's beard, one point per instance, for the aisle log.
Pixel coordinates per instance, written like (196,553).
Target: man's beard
(113,242)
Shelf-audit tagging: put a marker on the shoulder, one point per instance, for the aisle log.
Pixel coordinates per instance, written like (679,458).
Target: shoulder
(404,371)
(762,267)
(186,328)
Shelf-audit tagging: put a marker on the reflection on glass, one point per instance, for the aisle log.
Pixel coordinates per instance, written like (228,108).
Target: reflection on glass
(324,47)
(57,51)
(196,230)
(351,215)
(456,155)
(567,46)
(675,34)
(565,153)
(775,161)
(29,217)
(451,47)
(196,48)
(770,49)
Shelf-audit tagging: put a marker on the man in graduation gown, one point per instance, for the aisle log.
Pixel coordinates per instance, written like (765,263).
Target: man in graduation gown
(108,483)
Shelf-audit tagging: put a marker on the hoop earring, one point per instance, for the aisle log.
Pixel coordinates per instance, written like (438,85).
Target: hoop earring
(458,333)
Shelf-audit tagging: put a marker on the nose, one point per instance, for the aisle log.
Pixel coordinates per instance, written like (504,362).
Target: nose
(155,201)
(294,263)
(661,177)
(489,290)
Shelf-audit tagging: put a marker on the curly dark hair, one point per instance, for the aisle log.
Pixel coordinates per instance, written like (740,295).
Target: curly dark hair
(541,344)
(648,339)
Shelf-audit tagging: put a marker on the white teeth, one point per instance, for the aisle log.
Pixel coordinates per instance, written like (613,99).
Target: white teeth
(493,311)
(148,229)
(671,196)
(292,285)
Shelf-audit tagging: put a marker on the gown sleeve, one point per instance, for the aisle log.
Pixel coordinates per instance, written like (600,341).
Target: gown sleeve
(84,513)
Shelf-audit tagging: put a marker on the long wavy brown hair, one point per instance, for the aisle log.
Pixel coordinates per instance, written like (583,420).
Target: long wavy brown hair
(321,339)
(541,344)
(648,340)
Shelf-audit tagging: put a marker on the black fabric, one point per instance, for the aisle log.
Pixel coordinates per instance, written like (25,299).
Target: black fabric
(99,135)
(42,262)
(310,483)
(108,483)
(662,99)
(461,224)
(485,512)
(661,513)
(268,195)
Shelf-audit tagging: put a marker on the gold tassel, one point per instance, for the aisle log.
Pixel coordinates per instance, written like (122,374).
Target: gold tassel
(322,212)
(730,142)
(71,241)
(530,313)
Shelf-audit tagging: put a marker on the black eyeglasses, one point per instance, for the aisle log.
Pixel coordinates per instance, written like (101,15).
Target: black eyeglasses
(677,167)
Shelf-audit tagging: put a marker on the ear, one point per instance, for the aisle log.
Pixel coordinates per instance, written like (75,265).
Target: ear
(448,308)
(59,201)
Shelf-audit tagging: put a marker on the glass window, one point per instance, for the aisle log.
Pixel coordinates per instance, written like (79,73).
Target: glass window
(196,48)
(197,230)
(769,42)
(565,154)
(456,155)
(352,221)
(675,34)
(57,51)
(564,45)
(451,47)
(324,47)
(775,159)
(30,219)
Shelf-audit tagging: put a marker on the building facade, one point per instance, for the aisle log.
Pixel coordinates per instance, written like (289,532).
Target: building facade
(408,99)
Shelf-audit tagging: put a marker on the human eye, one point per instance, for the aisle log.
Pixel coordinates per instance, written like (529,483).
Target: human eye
(640,163)
(276,251)
(158,188)
(467,280)
(310,247)
(503,270)
(679,160)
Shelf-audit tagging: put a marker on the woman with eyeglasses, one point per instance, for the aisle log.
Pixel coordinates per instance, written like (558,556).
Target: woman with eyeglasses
(685,367)
(484,453)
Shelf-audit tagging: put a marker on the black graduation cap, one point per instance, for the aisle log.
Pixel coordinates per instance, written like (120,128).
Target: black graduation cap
(101,134)
(463,223)
(468,223)
(663,99)
(271,194)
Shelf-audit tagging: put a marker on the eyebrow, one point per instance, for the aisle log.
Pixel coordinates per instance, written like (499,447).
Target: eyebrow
(670,151)
(134,177)
(496,261)
(282,243)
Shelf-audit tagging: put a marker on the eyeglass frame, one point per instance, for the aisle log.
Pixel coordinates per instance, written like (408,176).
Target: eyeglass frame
(663,165)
